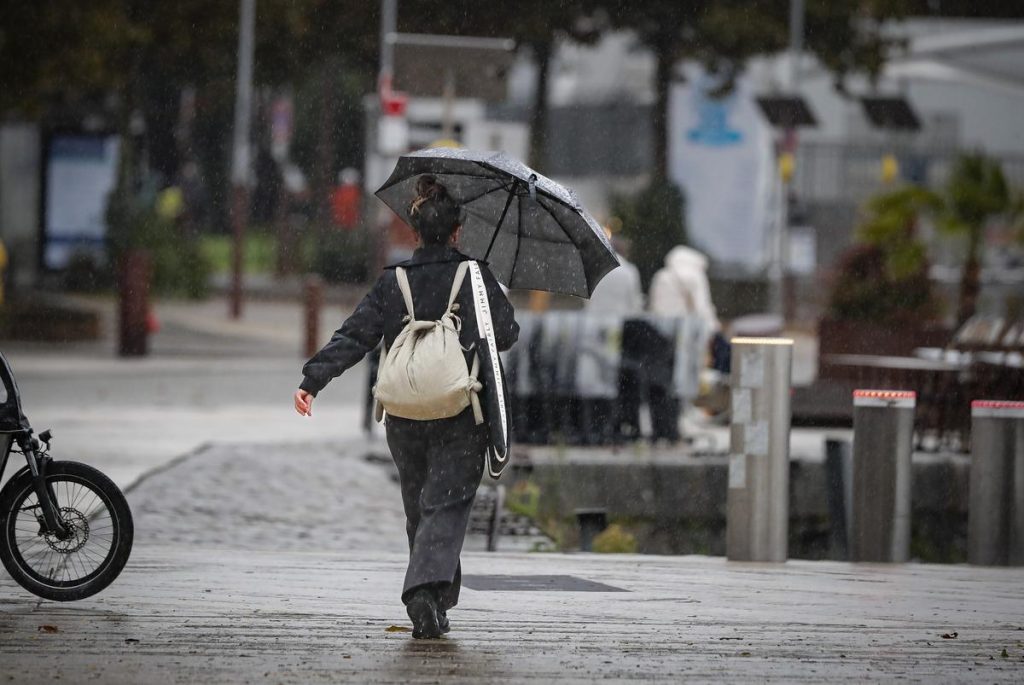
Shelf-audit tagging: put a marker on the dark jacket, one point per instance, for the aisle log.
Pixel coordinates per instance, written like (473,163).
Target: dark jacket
(431,271)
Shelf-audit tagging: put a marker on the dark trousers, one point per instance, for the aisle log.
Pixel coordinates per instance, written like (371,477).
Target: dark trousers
(440,464)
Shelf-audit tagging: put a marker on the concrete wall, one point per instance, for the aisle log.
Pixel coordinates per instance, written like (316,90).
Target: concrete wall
(676,504)
(19,199)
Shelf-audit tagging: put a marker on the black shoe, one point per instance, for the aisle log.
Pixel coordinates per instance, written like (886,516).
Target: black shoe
(442,621)
(423,611)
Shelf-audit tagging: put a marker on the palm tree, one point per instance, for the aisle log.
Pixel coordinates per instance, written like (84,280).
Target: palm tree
(975,193)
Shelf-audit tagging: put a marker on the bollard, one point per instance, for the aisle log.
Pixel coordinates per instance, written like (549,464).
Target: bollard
(136,269)
(837,487)
(995,517)
(591,523)
(883,435)
(757,508)
(313,299)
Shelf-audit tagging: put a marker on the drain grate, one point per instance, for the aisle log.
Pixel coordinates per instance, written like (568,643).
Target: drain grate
(557,583)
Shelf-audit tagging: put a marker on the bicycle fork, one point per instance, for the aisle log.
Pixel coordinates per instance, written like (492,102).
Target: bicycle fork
(37,464)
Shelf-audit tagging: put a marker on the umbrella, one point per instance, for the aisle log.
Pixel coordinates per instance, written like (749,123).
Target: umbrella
(532,231)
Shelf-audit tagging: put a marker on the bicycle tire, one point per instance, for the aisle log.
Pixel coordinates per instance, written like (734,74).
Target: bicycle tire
(13,500)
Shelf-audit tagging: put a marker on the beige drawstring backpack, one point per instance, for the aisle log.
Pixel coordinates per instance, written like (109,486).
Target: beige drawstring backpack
(424,375)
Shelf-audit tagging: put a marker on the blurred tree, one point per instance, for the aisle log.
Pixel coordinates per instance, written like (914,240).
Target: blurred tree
(62,52)
(884,278)
(653,220)
(975,193)
(138,55)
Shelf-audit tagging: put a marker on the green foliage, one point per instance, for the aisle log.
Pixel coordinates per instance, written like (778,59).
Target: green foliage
(524,499)
(341,256)
(653,221)
(260,252)
(179,267)
(975,192)
(615,540)
(885,277)
(891,226)
(865,290)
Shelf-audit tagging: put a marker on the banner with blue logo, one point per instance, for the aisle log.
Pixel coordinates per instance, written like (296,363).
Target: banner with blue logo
(720,153)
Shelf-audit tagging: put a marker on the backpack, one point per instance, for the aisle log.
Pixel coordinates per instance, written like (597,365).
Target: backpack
(424,376)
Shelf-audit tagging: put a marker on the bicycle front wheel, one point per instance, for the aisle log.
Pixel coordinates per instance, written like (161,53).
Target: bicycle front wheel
(99,539)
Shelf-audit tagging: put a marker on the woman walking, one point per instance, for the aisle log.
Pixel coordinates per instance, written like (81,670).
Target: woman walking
(440,461)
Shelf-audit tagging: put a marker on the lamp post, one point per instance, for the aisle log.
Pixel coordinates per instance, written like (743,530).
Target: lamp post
(240,158)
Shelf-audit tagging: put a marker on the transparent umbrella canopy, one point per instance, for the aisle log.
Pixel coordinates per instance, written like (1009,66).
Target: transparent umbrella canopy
(532,231)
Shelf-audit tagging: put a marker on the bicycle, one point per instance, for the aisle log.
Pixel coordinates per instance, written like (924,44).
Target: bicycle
(65,528)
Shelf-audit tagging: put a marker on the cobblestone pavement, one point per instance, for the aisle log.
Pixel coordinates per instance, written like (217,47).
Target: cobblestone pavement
(291,497)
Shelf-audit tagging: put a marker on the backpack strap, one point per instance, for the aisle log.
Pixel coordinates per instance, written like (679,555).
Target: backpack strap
(460,275)
(403,285)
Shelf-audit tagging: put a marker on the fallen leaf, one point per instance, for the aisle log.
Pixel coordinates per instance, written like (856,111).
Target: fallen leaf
(1004,654)
(53,629)
(744,653)
(397,629)
(131,640)
(949,636)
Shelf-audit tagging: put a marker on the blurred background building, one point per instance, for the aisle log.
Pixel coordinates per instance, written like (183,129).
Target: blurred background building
(573,89)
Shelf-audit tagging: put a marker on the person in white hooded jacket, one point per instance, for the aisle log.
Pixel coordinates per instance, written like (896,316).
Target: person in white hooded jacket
(681,288)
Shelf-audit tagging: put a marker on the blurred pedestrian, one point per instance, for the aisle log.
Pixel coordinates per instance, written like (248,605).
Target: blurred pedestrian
(346,200)
(440,461)
(680,289)
(620,291)
(619,295)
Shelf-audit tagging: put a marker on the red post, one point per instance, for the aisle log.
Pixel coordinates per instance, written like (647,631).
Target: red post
(313,298)
(136,269)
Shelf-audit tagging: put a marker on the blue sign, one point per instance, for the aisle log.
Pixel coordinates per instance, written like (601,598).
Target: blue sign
(713,128)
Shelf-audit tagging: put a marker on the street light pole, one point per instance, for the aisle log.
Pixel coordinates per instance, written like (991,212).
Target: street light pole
(240,158)
(786,151)
(388,27)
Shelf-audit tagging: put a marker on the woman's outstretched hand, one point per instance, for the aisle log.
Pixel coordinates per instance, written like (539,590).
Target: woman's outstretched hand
(303,403)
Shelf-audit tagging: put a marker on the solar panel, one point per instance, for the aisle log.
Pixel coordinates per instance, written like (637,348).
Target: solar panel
(786,111)
(894,113)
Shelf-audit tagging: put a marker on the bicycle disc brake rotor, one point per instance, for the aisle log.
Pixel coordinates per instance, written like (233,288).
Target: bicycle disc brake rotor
(78,527)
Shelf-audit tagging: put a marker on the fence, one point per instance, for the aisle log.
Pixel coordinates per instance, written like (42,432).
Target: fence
(581,378)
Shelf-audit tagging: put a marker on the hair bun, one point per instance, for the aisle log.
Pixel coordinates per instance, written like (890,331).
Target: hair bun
(428,188)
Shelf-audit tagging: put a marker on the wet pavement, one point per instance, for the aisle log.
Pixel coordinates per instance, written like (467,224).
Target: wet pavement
(254,561)
(186,615)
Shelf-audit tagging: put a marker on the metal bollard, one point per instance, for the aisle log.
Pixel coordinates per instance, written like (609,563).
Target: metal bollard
(837,493)
(757,508)
(995,517)
(313,299)
(883,437)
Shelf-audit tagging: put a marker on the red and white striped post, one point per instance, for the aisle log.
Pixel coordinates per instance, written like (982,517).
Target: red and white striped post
(883,443)
(995,518)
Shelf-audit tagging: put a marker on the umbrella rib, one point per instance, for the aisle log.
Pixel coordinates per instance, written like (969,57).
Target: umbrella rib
(488,192)
(501,220)
(519,243)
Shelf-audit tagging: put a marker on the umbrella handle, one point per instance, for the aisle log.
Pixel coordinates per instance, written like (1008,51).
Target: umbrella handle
(501,220)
